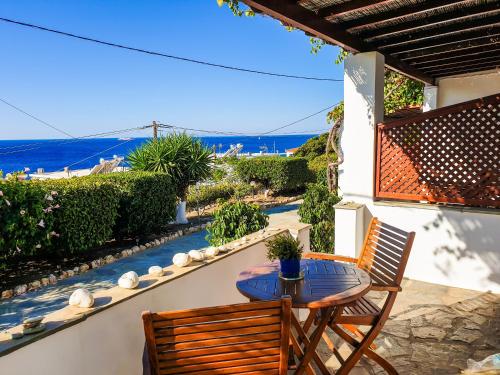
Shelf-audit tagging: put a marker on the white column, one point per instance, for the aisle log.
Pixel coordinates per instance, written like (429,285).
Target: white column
(363,109)
(430,98)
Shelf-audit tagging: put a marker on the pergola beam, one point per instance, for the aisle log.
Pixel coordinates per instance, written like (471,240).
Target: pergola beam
(397,13)
(439,32)
(492,34)
(494,56)
(476,47)
(466,70)
(460,15)
(349,6)
(483,62)
(452,58)
(292,14)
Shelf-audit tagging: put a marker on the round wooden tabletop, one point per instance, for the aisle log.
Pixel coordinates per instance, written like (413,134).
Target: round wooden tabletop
(325,283)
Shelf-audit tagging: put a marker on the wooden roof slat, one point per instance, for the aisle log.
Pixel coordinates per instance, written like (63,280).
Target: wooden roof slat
(491,33)
(460,15)
(462,64)
(438,32)
(473,48)
(349,6)
(491,57)
(477,67)
(464,71)
(473,53)
(410,9)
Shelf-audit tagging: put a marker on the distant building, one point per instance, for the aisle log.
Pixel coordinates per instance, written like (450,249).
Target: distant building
(291,151)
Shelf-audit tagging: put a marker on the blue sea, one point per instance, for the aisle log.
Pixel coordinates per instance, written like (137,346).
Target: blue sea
(55,154)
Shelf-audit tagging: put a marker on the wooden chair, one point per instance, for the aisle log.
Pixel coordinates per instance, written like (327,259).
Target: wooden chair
(384,256)
(250,338)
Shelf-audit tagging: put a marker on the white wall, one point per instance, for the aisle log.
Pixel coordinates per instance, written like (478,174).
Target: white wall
(467,87)
(454,248)
(111,341)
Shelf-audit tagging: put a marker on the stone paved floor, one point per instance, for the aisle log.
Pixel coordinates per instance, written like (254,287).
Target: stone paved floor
(433,329)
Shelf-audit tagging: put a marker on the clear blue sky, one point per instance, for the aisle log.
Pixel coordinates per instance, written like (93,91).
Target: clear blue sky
(84,88)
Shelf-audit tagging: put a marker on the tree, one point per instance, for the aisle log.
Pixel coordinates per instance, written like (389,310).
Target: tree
(179,155)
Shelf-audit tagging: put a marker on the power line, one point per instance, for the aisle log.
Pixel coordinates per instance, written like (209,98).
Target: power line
(169,126)
(160,54)
(299,120)
(99,153)
(36,118)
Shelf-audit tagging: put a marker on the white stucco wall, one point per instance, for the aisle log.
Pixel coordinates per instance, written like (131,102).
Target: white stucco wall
(467,87)
(111,341)
(453,247)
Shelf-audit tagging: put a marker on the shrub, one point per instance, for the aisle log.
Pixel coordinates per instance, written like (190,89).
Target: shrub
(277,173)
(243,190)
(284,247)
(208,194)
(184,158)
(314,147)
(235,220)
(317,209)
(26,218)
(87,213)
(147,201)
(318,166)
(218,174)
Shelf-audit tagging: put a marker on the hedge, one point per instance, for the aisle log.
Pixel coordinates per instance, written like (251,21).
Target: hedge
(318,210)
(26,220)
(209,194)
(147,201)
(277,173)
(87,212)
(74,215)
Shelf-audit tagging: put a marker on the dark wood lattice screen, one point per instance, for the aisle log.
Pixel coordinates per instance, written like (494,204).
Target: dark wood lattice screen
(450,155)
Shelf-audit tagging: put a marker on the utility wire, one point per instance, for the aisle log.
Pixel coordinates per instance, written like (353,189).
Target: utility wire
(169,126)
(36,118)
(154,53)
(99,153)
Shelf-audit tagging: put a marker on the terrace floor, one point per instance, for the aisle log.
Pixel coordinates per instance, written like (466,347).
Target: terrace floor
(433,329)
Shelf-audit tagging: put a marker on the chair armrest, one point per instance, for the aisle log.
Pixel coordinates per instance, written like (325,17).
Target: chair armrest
(325,256)
(385,288)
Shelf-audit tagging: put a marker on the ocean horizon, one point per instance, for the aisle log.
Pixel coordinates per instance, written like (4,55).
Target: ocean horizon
(55,154)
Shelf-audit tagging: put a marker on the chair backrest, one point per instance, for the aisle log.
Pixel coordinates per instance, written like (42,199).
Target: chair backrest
(251,337)
(385,253)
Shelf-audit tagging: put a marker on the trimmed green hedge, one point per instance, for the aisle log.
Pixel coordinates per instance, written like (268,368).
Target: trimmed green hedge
(74,215)
(147,201)
(277,173)
(26,220)
(208,194)
(87,212)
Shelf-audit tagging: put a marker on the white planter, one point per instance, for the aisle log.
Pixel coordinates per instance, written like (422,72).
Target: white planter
(181,213)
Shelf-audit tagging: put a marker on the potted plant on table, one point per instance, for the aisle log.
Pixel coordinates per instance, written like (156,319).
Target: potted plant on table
(289,252)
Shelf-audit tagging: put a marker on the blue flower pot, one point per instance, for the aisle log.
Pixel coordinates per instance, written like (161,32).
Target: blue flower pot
(290,268)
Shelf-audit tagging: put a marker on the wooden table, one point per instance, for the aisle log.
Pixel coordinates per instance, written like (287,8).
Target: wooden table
(326,288)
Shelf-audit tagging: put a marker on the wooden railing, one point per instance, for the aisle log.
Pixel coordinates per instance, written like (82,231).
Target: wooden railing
(449,155)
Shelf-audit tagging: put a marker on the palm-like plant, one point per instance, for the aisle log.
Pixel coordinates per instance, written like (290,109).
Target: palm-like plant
(179,155)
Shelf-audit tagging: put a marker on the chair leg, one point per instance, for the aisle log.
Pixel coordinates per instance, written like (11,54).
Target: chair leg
(362,348)
(355,330)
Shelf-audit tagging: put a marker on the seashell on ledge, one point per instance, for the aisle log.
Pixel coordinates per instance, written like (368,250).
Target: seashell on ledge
(212,252)
(181,259)
(155,271)
(196,255)
(81,298)
(129,280)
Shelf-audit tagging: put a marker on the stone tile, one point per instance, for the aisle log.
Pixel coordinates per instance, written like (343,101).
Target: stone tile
(466,335)
(429,333)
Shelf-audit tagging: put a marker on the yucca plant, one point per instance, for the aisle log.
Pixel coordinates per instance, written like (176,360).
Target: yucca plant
(182,157)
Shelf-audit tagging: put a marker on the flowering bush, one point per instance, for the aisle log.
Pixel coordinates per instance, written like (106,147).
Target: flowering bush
(235,220)
(26,218)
